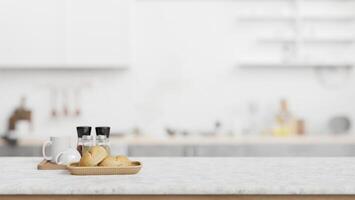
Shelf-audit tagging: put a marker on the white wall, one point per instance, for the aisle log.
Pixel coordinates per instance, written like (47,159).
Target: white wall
(184,74)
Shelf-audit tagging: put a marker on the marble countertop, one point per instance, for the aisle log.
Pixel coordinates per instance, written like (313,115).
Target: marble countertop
(18,175)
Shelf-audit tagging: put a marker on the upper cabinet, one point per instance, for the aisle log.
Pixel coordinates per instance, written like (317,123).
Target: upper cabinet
(97,32)
(64,33)
(31,33)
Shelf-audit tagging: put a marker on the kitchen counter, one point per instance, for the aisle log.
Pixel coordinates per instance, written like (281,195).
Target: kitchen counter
(236,140)
(217,146)
(190,176)
(212,140)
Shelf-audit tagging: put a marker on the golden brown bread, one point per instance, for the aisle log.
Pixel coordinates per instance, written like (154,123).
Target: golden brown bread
(93,156)
(115,161)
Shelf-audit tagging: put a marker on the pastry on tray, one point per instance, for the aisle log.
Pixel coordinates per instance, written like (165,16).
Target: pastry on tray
(93,156)
(115,161)
(98,156)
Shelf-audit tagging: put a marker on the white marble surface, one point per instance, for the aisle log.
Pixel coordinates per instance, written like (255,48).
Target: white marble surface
(18,175)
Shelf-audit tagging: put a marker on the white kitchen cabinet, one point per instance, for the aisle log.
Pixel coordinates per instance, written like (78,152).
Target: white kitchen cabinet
(31,32)
(156,150)
(272,150)
(64,33)
(7,150)
(97,32)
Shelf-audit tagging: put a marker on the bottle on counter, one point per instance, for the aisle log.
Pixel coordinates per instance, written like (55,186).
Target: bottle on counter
(284,121)
(82,131)
(102,137)
(300,127)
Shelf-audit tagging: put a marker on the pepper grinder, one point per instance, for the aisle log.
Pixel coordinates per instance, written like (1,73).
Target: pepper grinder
(82,131)
(102,137)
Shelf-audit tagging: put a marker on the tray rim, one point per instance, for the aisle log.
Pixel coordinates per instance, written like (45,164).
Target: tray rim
(139,165)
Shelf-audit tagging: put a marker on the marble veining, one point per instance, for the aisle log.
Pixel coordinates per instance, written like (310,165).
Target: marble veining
(18,175)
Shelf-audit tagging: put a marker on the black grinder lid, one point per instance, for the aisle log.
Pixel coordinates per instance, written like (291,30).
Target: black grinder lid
(103,130)
(83,130)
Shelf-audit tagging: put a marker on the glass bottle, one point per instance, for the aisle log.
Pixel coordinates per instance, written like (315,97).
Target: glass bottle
(81,131)
(102,137)
(88,142)
(285,121)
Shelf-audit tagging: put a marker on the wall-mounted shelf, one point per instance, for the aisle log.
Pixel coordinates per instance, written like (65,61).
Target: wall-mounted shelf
(266,18)
(292,66)
(270,0)
(51,68)
(347,41)
(288,19)
(330,19)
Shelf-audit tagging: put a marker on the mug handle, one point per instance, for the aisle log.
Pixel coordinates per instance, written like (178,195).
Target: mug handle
(57,157)
(45,144)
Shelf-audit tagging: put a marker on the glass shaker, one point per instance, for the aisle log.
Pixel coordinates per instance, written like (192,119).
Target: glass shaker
(88,141)
(102,137)
(81,131)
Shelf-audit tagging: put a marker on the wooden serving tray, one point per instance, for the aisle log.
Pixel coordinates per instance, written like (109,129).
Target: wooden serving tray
(47,165)
(75,169)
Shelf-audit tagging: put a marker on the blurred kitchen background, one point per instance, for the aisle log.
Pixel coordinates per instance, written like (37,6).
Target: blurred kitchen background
(180,78)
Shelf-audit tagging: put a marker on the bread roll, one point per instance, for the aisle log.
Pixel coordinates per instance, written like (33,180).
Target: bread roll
(93,156)
(115,161)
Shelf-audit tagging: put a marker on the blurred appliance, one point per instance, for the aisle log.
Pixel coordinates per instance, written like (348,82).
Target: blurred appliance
(339,124)
(20,114)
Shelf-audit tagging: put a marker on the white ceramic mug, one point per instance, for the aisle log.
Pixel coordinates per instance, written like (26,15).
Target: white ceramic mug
(68,156)
(57,145)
